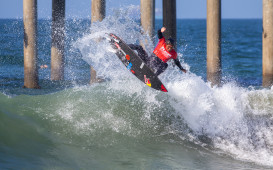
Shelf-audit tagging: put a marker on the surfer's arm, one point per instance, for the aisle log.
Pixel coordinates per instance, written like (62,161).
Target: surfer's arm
(159,34)
(177,62)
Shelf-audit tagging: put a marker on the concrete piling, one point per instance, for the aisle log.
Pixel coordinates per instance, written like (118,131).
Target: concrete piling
(58,39)
(214,41)
(97,14)
(30,44)
(267,43)
(169,18)
(97,10)
(147,15)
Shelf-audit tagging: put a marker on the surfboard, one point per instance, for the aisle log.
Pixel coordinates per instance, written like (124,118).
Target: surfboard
(135,64)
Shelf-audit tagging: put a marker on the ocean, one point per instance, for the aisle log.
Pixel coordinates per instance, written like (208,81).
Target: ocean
(122,123)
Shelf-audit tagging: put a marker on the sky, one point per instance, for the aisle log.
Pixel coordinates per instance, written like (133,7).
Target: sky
(185,8)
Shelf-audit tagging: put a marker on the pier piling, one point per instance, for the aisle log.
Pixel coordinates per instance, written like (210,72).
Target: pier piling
(169,18)
(214,41)
(147,15)
(97,10)
(58,39)
(30,44)
(267,43)
(97,14)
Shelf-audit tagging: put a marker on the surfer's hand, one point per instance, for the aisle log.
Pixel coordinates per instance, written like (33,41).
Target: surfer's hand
(163,29)
(184,70)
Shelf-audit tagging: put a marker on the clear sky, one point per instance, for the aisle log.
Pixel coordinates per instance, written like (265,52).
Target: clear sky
(185,8)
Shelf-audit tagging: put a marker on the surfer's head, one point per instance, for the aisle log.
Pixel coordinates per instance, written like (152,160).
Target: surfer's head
(169,44)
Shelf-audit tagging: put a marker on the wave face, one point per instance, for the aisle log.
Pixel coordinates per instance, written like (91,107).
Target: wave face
(72,127)
(123,124)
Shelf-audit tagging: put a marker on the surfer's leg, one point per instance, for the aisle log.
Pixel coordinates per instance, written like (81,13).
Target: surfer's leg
(134,47)
(161,69)
(156,64)
(141,52)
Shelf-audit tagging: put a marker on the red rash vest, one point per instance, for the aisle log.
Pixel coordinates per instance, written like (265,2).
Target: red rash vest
(161,52)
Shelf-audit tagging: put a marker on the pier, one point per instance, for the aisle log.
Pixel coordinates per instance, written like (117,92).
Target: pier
(147,15)
(169,18)
(58,39)
(214,41)
(214,66)
(267,43)
(30,44)
(97,15)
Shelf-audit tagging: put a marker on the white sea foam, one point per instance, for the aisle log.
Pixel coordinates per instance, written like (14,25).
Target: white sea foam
(237,120)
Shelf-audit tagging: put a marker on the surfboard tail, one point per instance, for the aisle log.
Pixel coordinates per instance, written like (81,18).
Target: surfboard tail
(163,88)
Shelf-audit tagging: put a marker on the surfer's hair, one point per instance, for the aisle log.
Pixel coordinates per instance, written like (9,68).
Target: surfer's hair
(170,41)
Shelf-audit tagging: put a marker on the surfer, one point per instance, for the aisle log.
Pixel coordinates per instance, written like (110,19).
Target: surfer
(163,52)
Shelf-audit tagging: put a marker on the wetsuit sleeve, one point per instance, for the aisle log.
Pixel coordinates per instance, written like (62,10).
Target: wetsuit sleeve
(159,34)
(177,62)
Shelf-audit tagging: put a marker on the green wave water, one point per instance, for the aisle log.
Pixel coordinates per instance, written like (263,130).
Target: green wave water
(101,128)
